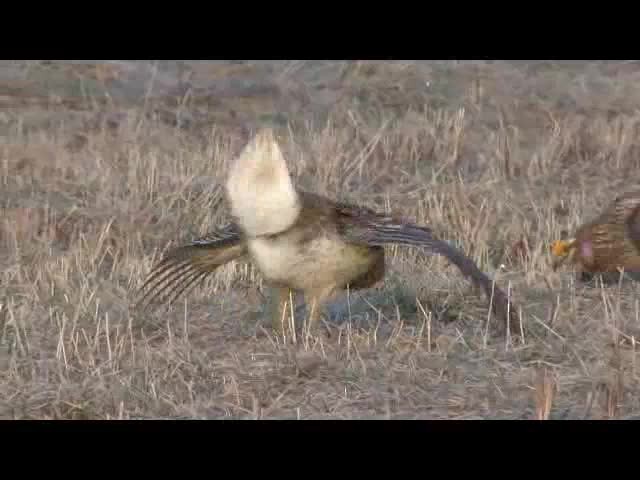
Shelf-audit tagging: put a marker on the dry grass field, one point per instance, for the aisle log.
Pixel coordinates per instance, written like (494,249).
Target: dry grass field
(104,167)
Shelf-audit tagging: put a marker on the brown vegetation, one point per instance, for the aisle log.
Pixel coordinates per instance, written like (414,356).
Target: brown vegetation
(498,159)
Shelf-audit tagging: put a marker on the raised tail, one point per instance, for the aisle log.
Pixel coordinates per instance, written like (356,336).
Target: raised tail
(182,267)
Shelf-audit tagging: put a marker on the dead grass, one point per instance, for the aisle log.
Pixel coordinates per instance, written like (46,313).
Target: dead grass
(498,159)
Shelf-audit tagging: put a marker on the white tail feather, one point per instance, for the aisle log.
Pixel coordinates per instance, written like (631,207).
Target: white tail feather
(259,189)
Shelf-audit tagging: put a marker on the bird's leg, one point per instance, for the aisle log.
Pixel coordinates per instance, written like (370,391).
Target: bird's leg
(280,310)
(315,299)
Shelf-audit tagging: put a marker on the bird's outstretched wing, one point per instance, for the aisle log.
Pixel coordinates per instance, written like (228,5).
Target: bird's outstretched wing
(182,267)
(365,228)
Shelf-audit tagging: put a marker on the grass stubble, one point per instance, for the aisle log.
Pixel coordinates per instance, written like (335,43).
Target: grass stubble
(500,159)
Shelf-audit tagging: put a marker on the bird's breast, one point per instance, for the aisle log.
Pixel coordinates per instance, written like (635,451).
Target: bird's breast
(318,262)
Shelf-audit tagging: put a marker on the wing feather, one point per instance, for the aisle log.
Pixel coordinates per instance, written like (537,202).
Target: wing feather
(182,267)
(361,227)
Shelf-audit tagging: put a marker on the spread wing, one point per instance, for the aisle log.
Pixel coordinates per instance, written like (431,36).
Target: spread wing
(363,227)
(184,266)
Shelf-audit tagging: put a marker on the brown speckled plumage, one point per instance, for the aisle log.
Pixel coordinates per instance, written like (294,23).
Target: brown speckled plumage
(611,241)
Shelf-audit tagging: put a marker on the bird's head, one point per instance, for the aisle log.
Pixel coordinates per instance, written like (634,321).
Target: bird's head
(562,250)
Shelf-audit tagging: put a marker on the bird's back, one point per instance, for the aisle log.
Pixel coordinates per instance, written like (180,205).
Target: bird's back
(312,252)
(605,242)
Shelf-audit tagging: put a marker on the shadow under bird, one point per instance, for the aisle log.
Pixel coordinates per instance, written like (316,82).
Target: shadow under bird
(607,244)
(301,241)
